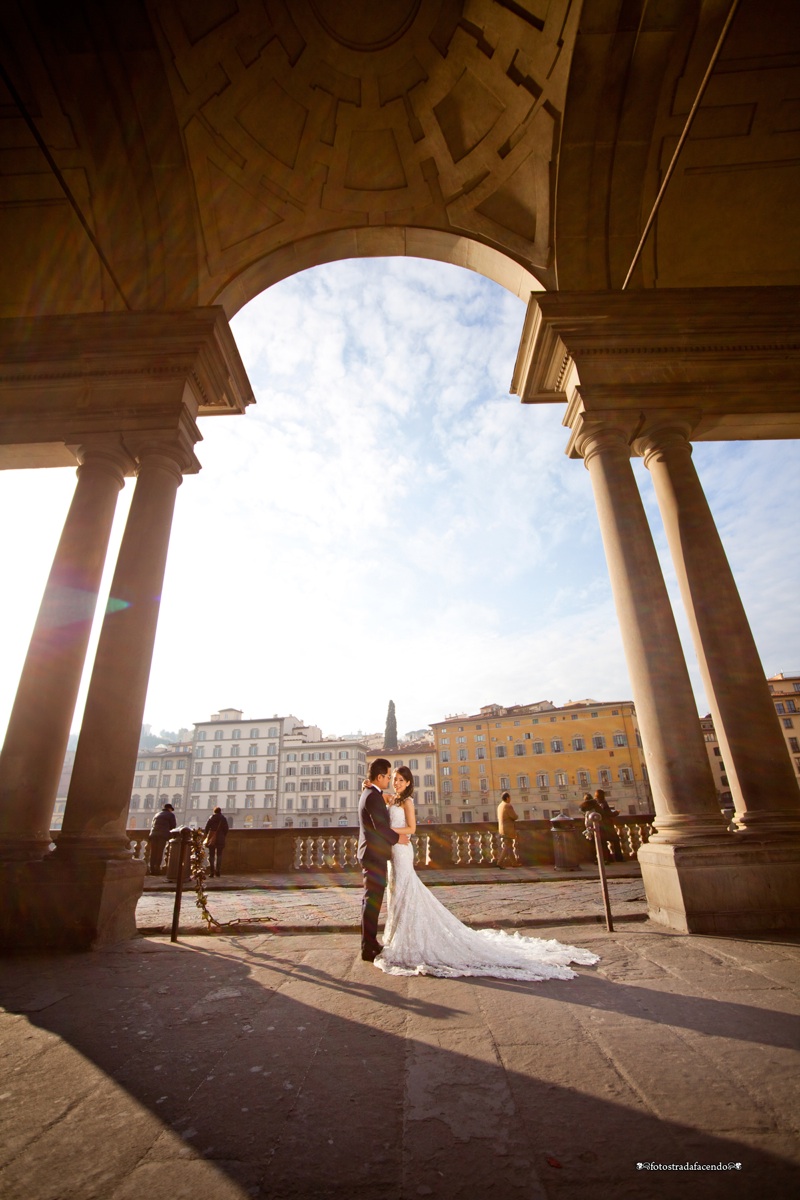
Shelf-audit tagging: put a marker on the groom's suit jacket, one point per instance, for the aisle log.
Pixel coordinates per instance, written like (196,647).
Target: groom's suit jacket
(376,836)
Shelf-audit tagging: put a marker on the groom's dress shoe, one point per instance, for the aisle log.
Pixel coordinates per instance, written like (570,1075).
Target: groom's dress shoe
(370,955)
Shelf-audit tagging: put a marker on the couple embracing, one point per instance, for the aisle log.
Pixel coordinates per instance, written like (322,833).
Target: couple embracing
(422,937)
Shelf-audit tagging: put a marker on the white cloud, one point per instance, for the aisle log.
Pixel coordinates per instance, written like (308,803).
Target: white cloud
(388,521)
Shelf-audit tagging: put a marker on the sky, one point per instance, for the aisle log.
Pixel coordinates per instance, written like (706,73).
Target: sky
(388,522)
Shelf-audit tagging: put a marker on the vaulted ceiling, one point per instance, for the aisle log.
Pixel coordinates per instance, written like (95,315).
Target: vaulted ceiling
(207,148)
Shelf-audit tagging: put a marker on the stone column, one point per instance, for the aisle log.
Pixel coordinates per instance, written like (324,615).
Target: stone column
(95,818)
(38,731)
(753,749)
(680,776)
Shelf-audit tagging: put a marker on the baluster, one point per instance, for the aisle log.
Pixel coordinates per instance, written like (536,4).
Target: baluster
(298,853)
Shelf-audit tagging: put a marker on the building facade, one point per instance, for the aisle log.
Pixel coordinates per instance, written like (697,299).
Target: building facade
(162,777)
(236,767)
(545,756)
(785,691)
(320,780)
(717,765)
(420,758)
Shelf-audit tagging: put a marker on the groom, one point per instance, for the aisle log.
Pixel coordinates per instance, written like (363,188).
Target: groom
(375,840)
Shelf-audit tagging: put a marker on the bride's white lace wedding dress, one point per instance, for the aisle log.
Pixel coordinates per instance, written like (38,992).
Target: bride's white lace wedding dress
(422,937)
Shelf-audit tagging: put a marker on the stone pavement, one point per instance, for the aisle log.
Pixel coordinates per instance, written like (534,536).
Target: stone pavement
(520,899)
(280,1067)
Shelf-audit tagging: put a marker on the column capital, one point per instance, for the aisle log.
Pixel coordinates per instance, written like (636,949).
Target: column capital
(594,432)
(103,452)
(175,445)
(661,430)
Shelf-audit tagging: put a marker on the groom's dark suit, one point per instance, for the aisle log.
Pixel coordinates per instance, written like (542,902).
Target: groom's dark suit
(375,840)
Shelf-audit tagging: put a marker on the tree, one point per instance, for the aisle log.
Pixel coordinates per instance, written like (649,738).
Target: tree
(390,736)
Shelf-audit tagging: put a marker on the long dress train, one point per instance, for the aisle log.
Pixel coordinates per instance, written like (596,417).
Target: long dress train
(422,937)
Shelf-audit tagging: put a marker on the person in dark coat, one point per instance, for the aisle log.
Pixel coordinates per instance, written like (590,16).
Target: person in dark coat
(216,831)
(163,824)
(375,840)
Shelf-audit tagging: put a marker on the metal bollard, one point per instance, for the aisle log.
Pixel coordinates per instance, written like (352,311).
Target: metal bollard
(594,824)
(185,835)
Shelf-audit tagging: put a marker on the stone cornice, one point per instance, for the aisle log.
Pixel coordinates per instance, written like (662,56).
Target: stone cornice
(103,373)
(733,353)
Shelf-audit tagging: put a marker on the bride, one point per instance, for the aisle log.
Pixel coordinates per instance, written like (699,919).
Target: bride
(423,937)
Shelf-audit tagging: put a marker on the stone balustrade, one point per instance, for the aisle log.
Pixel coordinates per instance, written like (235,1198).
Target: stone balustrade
(439,847)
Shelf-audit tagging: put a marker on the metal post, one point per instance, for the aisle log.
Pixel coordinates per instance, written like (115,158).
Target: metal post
(594,823)
(185,834)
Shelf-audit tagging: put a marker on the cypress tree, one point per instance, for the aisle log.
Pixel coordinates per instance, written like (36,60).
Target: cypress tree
(390,736)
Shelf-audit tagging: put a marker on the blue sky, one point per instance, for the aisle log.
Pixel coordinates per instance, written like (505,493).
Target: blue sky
(388,522)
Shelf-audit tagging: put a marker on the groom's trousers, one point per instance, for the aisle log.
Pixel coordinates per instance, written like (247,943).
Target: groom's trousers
(374,887)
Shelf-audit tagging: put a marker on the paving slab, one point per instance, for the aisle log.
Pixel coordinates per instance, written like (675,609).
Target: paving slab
(275,1065)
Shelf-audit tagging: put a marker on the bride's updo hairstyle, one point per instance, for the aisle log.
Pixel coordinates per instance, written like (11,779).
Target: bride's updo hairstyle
(408,790)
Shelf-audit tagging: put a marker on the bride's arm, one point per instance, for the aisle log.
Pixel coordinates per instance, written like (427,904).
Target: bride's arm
(411,818)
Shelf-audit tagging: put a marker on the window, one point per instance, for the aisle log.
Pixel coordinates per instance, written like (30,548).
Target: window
(447,770)
(578,743)
(149,801)
(199,752)
(598,742)
(461,739)
(604,775)
(500,751)
(137,780)
(344,784)
(444,741)
(430,797)
(215,768)
(779,708)
(463,769)
(181,764)
(505,783)
(272,732)
(791,706)
(561,779)
(538,747)
(519,749)
(291,758)
(543,779)
(154,765)
(556,745)
(217,752)
(788,723)
(217,735)
(583,779)
(167,764)
(152,780)
(428,763)
(620,739)
(135,801)
(140,765)
(466,818)
(480,752)
(178,781)
(625,775)
(523,781)
(234,751)
(289,787)
(462,754)
(445,756)
(201,735)
(230,802)
(249,801)
(429,780)
(465,785)
(272,749)
(251,783)
(213,785)
(232,785)
(254,733)
(484,784)
(447,787)
(794,745)
(233,768)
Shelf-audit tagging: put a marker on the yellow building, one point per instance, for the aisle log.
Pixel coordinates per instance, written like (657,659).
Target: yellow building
(545,756)
(717,765)
(785,690)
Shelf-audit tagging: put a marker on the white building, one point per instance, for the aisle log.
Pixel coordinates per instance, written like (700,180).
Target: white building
(236,766)
(420,758)
(162,777)
(320,780)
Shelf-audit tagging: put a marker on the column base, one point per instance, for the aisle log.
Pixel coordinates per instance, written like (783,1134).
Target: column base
(732,888)
(68,906)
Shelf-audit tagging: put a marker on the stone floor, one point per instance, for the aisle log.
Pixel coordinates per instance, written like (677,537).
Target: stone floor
(278,1065)
(296,903)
